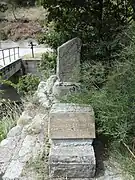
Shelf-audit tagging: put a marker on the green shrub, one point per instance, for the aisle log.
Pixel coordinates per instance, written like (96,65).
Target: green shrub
(101,25)
(2,134)
(53,38)
(5,125)
(27,84)
(93,75)
(114,107)
(47,64)
(114,103)
(20,3)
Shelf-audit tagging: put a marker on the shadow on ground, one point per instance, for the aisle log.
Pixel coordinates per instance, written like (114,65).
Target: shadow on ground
(100,147)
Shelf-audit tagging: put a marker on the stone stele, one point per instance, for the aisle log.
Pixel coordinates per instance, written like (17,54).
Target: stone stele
(71,121)
(68,61)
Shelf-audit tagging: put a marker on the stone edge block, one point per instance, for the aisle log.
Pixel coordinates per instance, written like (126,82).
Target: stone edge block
(76,161)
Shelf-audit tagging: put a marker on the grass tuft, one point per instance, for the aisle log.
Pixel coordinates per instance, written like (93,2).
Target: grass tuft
(9,113)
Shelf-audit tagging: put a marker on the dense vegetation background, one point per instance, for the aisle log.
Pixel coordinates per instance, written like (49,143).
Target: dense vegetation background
(107,31)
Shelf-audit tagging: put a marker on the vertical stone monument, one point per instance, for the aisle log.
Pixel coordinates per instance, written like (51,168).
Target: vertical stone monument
(71,126)
(68,61)
(71,130)
(68,67)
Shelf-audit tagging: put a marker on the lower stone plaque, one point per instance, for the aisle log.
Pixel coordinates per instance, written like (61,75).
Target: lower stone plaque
(70,121)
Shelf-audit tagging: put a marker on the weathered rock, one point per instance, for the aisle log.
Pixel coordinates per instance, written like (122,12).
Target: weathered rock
(42,95)
(15,131)
(17,149)
(8,146)
(68,61)
(44,92)
(49,83)
(31,174)
(36,125)
(72,160)
(28,107)
(25,152)
(46,87)
(14,170)
(46,104)
(21,147)
(42,87)
(9,143)
(24,119)
(5,156)
(44,100)
(71,121)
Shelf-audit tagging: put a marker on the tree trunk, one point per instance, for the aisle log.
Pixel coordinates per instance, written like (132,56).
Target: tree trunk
(13,11)
(133,6)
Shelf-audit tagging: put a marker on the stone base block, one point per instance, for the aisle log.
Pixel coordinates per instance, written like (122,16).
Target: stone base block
(64,88)
(72,161)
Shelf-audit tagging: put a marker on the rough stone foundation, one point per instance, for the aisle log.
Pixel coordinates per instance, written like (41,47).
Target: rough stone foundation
(72,159)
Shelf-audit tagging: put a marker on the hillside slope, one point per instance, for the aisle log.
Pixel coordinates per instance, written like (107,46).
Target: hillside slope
(22,24)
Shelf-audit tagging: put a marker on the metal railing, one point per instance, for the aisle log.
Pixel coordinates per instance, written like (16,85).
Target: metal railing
(8,55)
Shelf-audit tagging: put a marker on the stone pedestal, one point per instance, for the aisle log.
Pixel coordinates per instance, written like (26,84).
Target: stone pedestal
(65,88)
(71,126)
(71,130)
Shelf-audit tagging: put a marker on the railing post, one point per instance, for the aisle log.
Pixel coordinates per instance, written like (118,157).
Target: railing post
(18,51)
(14,52)
(9,56)
(3,57)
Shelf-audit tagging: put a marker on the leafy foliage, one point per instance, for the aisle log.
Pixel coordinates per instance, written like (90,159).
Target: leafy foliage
(27,84)
(21,3)
(53,38)
(3,35)
(101,25)
(114,103)
(3,7)
(7,82)
(93,75)
(97,23)
(47,64)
